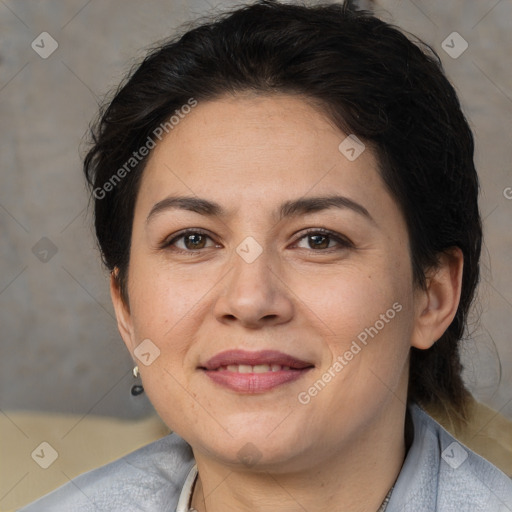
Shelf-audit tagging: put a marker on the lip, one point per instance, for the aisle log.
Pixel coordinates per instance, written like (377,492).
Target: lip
(250,383)
(253,358)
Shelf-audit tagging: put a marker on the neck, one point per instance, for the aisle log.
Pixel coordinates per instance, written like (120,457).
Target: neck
(358,475)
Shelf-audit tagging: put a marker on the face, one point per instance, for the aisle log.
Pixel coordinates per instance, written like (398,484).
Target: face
(328,284)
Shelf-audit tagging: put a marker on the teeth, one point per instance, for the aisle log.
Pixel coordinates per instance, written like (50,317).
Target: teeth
(261,368)
(257,368)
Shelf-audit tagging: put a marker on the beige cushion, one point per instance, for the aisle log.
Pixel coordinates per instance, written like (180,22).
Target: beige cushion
(84,443)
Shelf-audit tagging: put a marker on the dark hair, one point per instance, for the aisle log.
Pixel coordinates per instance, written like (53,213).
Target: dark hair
(371,80)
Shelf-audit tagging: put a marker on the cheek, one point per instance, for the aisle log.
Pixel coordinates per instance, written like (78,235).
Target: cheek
(365,315)
(163,297)
(351,296)
(169,306)
(369,326)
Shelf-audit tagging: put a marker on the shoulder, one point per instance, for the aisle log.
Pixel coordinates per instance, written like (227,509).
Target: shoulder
(148,479)
(440,473)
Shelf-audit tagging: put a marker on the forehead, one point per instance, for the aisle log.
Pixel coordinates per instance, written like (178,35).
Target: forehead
(248,149)
(250,125)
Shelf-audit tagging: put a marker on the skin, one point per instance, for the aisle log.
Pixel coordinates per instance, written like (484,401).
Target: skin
(344,449)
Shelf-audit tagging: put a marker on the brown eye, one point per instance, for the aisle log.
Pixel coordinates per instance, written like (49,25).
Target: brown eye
(320,240)
(194,241)
(191,240)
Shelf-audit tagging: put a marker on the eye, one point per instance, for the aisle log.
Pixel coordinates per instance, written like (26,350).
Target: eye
(193,240)
(319,239)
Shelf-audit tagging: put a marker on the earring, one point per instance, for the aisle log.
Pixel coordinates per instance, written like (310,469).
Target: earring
(137,389)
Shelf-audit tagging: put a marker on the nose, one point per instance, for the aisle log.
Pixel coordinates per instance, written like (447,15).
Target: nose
(255,295)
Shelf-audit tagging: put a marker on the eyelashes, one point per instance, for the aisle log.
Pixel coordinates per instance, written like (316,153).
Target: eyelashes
(198,236)
(169,243)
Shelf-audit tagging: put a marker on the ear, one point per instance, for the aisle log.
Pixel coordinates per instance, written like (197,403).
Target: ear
(123,316)
(435,307)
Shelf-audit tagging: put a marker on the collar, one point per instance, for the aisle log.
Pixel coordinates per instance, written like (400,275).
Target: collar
(184,504)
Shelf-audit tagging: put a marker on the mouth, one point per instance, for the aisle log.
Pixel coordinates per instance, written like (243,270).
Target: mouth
(254,372)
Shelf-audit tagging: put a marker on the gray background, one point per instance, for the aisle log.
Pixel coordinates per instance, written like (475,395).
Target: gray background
(60,350)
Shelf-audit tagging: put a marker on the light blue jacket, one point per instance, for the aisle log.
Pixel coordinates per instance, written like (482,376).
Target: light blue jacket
(438,474)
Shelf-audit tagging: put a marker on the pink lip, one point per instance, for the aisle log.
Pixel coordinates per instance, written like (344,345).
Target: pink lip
(253,358)
(254,382)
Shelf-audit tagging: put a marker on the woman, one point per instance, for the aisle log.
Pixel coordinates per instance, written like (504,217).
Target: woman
(287,202)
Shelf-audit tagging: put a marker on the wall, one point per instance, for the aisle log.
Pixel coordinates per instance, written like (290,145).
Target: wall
(60,346)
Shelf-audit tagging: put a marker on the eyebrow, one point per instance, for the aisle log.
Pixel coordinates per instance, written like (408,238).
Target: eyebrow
(292,208)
